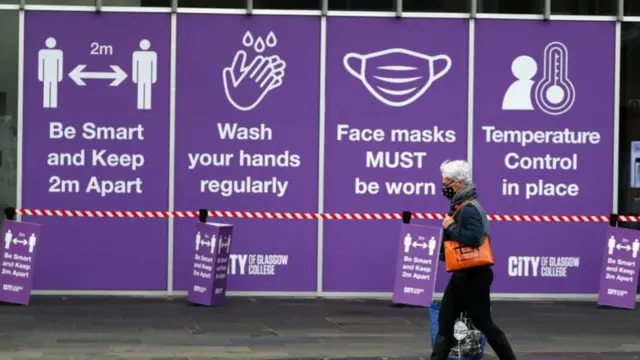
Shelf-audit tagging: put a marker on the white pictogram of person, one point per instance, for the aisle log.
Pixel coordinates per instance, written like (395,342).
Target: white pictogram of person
(635,247)
(144,73)
(432,245)
(213,243)
(407,243)
(198,241)
(518,95)
(32,242)
(50,72)
(611,244)
(8,237)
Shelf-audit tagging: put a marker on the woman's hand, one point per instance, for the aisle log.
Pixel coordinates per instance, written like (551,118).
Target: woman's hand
(448,220)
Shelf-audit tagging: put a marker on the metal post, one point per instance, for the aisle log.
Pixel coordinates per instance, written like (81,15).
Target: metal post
(324,7)
(547,9)
(473,13)
(98,5)
(22,4)
(249,7)
(620,10)
(174,6)
(398,8)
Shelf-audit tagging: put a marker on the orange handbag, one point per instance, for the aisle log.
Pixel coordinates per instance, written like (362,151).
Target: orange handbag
(459,256)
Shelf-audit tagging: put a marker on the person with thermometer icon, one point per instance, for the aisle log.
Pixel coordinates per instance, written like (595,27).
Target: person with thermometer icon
(554,93)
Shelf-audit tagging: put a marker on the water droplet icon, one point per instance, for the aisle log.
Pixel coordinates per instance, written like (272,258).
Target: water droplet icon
(259,45)
(271,39)
(247,39)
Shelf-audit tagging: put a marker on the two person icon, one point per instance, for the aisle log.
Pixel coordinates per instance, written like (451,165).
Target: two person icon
(635,247)
(144,73)
(8,239)
(431,244)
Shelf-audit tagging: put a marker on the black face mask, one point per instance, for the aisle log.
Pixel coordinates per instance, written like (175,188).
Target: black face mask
(448,192)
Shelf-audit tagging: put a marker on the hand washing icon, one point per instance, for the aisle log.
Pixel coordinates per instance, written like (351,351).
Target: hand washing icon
(554,94)
(397,77)
(248,80)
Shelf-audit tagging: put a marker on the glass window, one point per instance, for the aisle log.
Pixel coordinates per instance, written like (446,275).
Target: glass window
(221,4)
(631,8)
(629,167)
(62,2)
(511,6)
(137,3)
(584,7)
(362,5)
(459,6)
(8,108)
(287,4)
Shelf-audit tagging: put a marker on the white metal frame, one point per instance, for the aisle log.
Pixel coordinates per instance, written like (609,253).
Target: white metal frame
(324,13)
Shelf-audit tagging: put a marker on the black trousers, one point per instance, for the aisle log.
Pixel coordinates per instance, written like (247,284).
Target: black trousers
(469,291)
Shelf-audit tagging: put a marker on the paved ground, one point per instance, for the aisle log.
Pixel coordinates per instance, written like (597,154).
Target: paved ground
(112,328)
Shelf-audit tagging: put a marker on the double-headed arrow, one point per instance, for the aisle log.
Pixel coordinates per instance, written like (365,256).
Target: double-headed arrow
(117,75)
(419,244)
(17,241)
(626,247)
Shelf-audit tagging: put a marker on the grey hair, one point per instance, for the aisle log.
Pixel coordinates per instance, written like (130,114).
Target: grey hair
(456,170)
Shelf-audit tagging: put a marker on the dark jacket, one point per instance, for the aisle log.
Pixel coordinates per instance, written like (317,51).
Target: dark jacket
(470,223)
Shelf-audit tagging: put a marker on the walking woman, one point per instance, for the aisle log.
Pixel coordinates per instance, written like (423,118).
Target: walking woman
(466,226)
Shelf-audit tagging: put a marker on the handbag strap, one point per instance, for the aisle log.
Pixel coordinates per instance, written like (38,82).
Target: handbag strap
(459,207)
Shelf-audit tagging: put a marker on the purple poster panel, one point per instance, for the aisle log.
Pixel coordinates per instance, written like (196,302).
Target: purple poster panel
(247,127)
(543,142)
(96,137)
(417,264)
(19,244)
(210,264)
(619,274)
(396,108)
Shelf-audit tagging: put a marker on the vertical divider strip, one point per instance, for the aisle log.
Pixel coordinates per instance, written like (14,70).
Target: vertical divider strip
(321,146)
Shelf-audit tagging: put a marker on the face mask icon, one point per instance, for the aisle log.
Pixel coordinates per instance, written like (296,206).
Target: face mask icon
(397,77)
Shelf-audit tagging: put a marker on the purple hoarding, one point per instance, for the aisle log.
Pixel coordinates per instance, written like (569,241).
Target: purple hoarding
(19,247)
(96,134)
(619,270)
(247,127)
(417,264)
(210,263)
(543,142)
(396,107)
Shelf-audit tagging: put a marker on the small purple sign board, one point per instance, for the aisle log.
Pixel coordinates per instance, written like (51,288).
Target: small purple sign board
(619,275)
(19,244)
(417,264)
(210,264)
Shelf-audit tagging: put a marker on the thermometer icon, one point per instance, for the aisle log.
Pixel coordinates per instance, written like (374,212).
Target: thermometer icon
(555,93)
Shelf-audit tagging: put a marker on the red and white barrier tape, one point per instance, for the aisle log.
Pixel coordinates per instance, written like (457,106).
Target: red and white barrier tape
(313,216)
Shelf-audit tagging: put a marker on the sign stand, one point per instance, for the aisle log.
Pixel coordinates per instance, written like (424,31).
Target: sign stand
(19,245)
(416,263)
(210,262)
(620,267)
